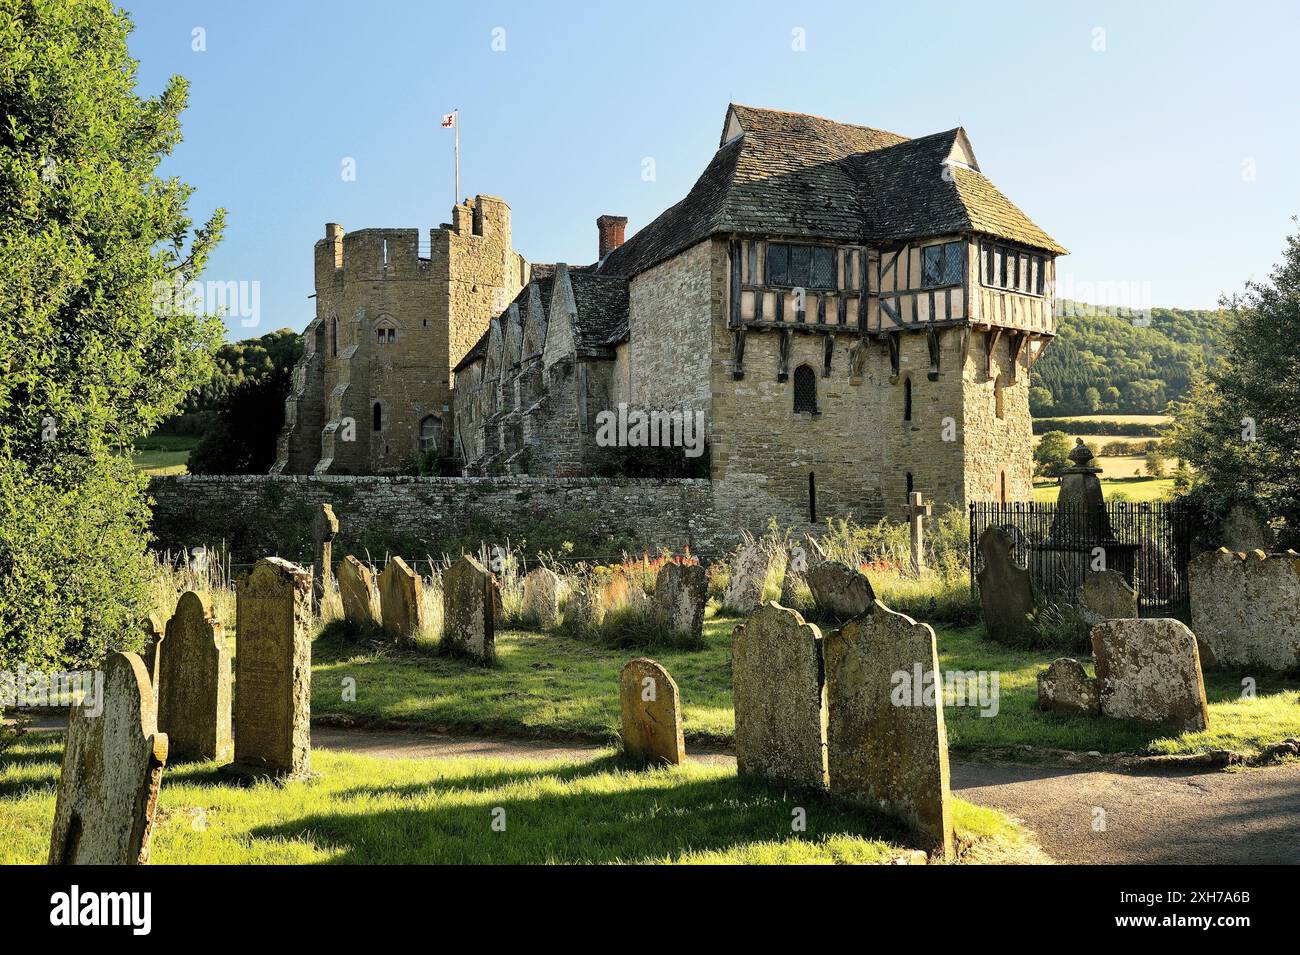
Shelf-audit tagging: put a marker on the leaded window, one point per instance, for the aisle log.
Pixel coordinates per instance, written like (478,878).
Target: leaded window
(805,390)
(799,266)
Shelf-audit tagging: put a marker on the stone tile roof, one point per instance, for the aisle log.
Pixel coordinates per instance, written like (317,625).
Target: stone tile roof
(602,312)
(797,175)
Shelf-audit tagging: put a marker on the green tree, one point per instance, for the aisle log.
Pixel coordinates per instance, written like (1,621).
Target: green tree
(1240,428)
(90,356)
(1052,454)
(1154,464)
(243,440)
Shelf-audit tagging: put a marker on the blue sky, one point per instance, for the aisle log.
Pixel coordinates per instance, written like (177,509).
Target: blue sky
(1156,141)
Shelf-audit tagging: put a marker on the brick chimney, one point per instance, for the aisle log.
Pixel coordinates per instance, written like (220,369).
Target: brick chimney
(611,233)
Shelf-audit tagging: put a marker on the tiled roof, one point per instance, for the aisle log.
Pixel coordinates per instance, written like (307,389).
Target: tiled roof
(602,311)
(797,175)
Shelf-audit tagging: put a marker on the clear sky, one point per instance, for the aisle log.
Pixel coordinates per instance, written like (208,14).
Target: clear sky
(1157,141)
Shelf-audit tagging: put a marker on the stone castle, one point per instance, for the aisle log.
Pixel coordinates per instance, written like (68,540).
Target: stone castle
(852,312)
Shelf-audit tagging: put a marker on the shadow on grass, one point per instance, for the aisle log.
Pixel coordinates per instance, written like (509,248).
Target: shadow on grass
(646,823)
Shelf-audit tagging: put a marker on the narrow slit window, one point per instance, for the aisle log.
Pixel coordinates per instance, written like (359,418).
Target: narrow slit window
(377,417)
(907,399)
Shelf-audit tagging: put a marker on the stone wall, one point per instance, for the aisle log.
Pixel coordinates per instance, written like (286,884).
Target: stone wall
(258,515)
(668,331)
(1246,609)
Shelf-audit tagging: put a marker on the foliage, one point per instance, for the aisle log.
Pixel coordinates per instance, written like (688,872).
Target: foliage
(1102,361)
(1240,427)
(1133,429)
(1052,454)
(244,436)
(90,357)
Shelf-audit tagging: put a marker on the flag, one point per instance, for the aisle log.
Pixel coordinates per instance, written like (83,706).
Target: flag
(449,120)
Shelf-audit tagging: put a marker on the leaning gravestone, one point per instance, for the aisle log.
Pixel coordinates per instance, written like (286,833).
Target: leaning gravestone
(1106,595)
(357,591)
(273,670)
(324,528)
(753,569)
(194,683)
(112,769)
(779,697)
(542,598)
(401,600)
(1006,594)
(886,742)
(1150,671)
(839,591)
(1065,687)
(470,598)
(652,714)
(681,591)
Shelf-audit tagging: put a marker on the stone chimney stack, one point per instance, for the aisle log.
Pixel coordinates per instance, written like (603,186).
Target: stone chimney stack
(611,233)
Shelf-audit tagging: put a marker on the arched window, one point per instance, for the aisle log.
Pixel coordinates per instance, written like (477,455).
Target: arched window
(378,417)
(430,434)
(805,390)
(907,399)
(385,331)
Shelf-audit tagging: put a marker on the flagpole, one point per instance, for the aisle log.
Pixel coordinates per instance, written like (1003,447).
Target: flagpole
(456,127)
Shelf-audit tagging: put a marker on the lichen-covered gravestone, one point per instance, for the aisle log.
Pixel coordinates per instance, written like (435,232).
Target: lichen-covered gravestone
(1106,595)
(779,697)
(112,769)
(886,742)
(357,591)
(470,598)
(1006,594)
(194,697)
(753,570)
(542,598)
(839,591)
(1150,671)
(1065,687)
(1246,609)
(681,591)
(324,528)
(273,670)
(401,600)
(652,717)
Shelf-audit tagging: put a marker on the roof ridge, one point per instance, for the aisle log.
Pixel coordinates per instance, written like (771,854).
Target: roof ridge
(824,119)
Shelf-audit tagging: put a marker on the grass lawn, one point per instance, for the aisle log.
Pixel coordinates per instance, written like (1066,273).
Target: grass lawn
(1118,418)
(1129,489)
(552,685)
(163,453)
(366,809)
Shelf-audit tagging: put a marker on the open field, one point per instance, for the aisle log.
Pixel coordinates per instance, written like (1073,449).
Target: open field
(1121,418)
(163,453)
(1129,489)
(366,809)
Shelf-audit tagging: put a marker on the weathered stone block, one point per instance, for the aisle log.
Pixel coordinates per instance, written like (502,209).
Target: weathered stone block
(1065,687)
(1246,609)
(886,742)
(681,591)
(839,591)
(470,598)
(1006,593)
(1150,671)
(112,769)
(357,591)
(652,717)
(401,601)
(194,698)
(754,570)
(1106,595)
(779,697)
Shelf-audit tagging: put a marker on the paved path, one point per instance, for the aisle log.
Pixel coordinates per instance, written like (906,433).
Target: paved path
(1184,818)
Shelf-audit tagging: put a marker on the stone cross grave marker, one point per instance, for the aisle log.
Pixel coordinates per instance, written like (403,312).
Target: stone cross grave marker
(779,697)
(357,591)
(273,670)
(917,512)
(652,714)
(112,769)
(886,742)
(401,600)
(470,598)
(324,528)
(194,697)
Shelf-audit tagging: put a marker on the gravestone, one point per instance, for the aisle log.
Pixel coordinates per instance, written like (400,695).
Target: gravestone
(582,608)
(1065,687)
(1106,595)
(194,683)
(1150,671)
(779,697)
(1006,594)
(681,591)
(112,769)
(273,670)
(839,591)
(753,568)
(652,716)
(542,598)
(1246,609)
(886,742)
(154,630)
(401,601)
(324,527)
(1244,529)
(469,609)
(357,591)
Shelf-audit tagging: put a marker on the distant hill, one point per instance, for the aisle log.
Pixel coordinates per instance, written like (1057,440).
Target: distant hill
(1103,361)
